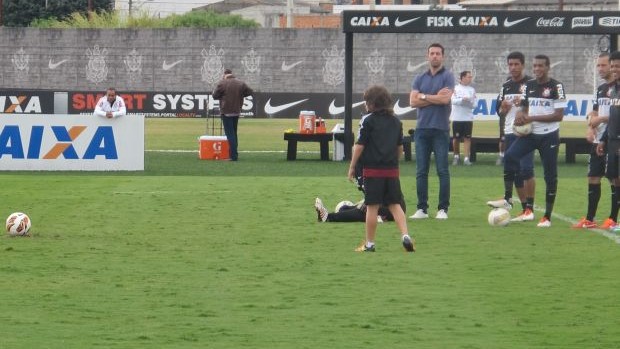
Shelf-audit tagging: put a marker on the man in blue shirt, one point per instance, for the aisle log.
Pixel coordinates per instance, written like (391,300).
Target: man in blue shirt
(431,94)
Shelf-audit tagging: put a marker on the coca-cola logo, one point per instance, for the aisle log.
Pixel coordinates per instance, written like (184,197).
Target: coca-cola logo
(550,22)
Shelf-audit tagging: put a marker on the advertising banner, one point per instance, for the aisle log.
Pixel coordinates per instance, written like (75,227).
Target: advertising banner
(484,21)
(261,105)
(578,106)
(331,106)
(26,101)
(157,104)
(71,142)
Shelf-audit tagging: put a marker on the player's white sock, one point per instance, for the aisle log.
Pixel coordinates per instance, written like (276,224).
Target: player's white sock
(370,244)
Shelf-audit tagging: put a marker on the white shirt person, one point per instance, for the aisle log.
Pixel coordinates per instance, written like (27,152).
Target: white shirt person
(111,105)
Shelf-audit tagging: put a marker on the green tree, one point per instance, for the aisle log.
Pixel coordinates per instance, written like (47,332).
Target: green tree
(111,19)
(20,13)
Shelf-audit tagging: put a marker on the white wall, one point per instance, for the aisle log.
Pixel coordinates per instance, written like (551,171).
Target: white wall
(161,8)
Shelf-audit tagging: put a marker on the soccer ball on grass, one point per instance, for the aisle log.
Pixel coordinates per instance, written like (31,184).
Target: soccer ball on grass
(341,204)
(18,224)
(499,217)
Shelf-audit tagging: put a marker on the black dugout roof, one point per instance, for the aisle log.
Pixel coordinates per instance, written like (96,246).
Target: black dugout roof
(606,23)
(491,22)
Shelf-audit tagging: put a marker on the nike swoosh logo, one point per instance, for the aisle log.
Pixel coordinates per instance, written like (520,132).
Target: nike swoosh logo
(286,67)
(398,110)
(400,23)
(165,66)
(412,68)
(52,65)
(509,24)
(334,110)
(273,109)
(553,146)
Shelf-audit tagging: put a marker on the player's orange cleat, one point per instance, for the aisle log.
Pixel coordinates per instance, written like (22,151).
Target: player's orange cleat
(526,216)
(544,223)
(608,224)
(584,224)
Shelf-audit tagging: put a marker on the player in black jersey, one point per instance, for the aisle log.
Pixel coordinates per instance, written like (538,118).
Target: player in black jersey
(610,142)
(597,123)
(507,105)
(543,105)
(378,147)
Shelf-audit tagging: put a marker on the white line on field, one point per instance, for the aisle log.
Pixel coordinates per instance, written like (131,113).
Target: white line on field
(611,236)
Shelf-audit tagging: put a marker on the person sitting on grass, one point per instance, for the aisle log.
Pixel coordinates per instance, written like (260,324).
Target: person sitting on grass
(352,212)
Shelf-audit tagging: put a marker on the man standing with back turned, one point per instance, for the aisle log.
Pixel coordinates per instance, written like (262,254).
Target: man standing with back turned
(431,93)
(231,91)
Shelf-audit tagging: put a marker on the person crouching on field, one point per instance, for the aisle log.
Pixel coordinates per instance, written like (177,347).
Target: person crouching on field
(379,146)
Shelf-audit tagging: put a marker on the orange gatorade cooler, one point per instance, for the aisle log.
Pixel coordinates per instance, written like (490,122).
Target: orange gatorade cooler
(213,148)
(306,121)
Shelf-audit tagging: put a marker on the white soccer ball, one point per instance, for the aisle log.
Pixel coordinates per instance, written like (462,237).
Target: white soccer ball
(499,217)
(18,224)
(343,203)
(522,130)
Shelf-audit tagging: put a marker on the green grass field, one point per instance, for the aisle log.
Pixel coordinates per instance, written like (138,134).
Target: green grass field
(208,254)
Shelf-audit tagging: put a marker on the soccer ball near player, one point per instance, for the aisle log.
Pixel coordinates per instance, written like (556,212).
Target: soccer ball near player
(522,130)
(499,217)
(18,224)
(343,203)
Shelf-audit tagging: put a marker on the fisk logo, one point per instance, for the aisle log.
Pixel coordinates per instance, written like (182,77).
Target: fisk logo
(20,104)
(102,143)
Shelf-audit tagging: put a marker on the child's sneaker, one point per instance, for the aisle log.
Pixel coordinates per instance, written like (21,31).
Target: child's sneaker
(408,243)
(364,248)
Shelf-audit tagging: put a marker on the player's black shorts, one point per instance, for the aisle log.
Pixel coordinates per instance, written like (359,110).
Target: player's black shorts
(382,191)
(613,147)
(462,129)
(596,164)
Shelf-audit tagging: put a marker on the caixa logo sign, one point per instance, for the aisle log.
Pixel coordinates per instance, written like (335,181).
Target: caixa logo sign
(20,104)
(53,142)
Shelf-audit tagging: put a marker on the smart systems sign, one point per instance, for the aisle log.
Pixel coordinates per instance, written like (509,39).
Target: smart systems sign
(71,142)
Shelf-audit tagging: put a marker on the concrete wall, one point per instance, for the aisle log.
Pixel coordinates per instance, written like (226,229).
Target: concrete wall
(270,60)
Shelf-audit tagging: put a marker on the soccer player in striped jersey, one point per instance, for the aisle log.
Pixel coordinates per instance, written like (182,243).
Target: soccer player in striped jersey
(610,142)
(597,123)
(509,100)
(543,105)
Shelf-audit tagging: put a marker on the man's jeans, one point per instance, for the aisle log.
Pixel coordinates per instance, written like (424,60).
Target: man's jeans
(230,129)
(428,141)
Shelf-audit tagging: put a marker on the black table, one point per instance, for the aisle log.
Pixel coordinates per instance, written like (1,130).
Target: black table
(293,138)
